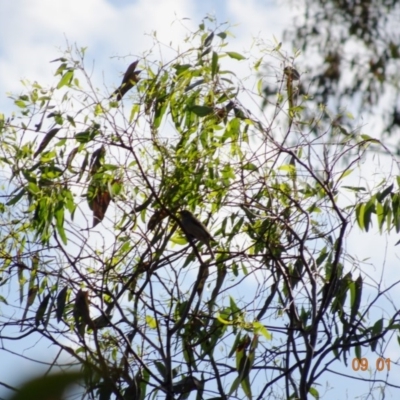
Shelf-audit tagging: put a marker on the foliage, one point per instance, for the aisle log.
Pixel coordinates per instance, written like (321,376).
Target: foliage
(351,55)
(92,239)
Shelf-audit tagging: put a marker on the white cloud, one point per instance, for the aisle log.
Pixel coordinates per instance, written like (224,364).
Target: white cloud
(38,29)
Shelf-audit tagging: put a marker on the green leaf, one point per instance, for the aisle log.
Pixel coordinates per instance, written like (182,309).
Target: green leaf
(259,328)
(234,386)
(314,392)
(236,56)
(288,168)
(143,383)
(260,87)
(250,167)
(369,138)
(245,383)
(160,108)
(214,64)
(380,214)
(381,196)
(201,111)
(71,120)
(16,198)
(345,173)
(369,209)
(357,352)
(83,137)
(222,320)
(98,110)
(360,210)
(134,110)
(151,322)
(20,103)
(66,79)
(378,327)
(355,188)
(235,345)
(59,215)
(161,368)
(86,136)
(181,68)
(33,188)
(234,307)
(322,256)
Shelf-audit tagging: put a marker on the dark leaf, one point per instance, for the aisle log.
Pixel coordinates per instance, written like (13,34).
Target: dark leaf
(16,198)
(71,156)
(62,59)
(356,294)
(221,274)
(201,111)
(381,196)
(83,137)
(206,51)
(46,140)
(161,369)
(42,309)
(61,298)
(49,387)
(83,167)
(31,298)
(97,159)
(209,39)
(193,85)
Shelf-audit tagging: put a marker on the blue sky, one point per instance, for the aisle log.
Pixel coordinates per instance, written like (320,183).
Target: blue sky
(34,32)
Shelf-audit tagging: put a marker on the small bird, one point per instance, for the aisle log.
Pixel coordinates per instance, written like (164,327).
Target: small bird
(130,78)
(291,73)
(196,230)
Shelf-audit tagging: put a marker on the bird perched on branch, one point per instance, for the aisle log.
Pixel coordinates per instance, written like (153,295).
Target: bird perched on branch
(196,230)
(291,73)
(129,80)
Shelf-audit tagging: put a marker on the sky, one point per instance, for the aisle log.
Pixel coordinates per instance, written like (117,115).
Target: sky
(37,31)
(115,32)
